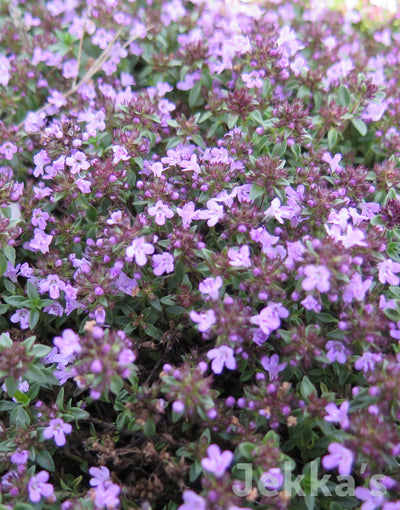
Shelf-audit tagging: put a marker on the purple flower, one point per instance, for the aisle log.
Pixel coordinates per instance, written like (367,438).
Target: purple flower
(367,361)
(57,429)
(353,237)
(239,258)
(222,356)
(120,154)
(77,161)
(338,414)
(217,462)
(204,320)
(272,366)
(252,79)
(53,285)
(356,288)
(316,277)
(192,501)
(212,214)
(106,495)
(163,263)
(100,475)
(269,319)
(187,213)
(373,498)
(272,479)
(21,316)
(336,351)
(37,487)
(387,270)
(340,457)
(20,457)
(161,212)
(190,165)
(41,241)
(68,344)
(8,149)
(39,218)
(210,287)
(138,249)
(333,162)
(310,303)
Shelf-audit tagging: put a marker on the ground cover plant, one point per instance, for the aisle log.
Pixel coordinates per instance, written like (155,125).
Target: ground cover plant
(200,255)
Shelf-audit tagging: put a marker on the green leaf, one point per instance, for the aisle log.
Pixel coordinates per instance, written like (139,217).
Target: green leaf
(307,388)
(9,252)
(279,149)
(360,125)
(149,428)
(11,385)
(344,95)
(20,417)
(45,460)
(246,450)
(153,332)
(41,375)
(40,351)
(232,120)
(5,341)
(198,140)
(34,316)
(17,301)
(256,191)
(91,213)
(31,290)
(332,138)
(116,384)
(194,95)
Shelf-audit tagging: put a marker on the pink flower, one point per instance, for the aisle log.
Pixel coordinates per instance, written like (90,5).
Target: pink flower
(191,501)
(269,319)
(272,366)
(217,462)
(252,79)
(57,428)
(68,344)
(8,149)
(20,457)
(336,351)
(39,218)
(387,270)
(272,479)
(205,320)
(163,263)
(138,250)
(210,287)
(333,162)
(21,316)
(37,487)
(339,457)
(120,154)
(106,495)
(41,241)
(187,213)
(222,356)
(53,285)
(100,475)
(77,161)
(316,277)
(213,214)
(160,211)
(239,258)
(338,414)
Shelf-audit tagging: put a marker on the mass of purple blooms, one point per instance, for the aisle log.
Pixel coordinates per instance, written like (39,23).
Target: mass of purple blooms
(200,255)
